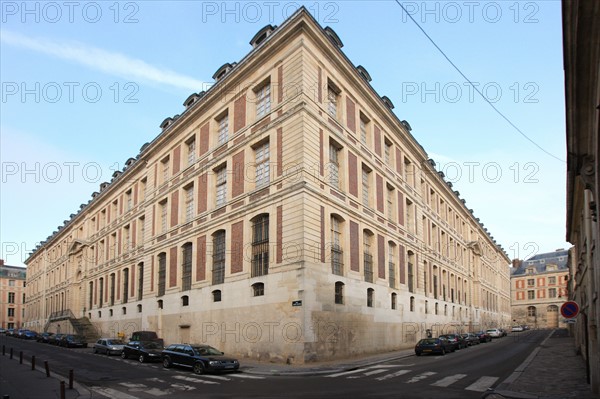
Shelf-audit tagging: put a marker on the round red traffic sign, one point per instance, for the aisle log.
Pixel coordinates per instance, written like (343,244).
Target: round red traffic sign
(569,309)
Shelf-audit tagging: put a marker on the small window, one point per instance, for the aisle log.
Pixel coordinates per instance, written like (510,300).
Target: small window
(185,300)
(370,294)
(110,312)
(124,310)
(258,289)
(412,303)
(160,303)
(394,300)
(216,295)
(139,308)
(339,293)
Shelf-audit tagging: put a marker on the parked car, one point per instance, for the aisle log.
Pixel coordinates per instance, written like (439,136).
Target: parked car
(29,334)
(146,336)
(2,330)
(44,337)
(20,332)
(471,338)
(73,341)
(55,339)
(456,339)
(483,336)
(109,346)
(432,345)
(517,328)
(143,351)
(10,332)
(494,332)
(200,358)
(503,332)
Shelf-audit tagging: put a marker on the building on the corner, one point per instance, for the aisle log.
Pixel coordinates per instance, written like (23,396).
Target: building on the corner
(285,214)
(12,295)
(539,288)
(581,44)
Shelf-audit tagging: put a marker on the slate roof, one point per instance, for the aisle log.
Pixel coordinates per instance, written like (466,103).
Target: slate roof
(541,261)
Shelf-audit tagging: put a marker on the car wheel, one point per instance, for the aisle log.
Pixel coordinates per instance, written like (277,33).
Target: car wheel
(107,352)
(123,355)
(167,363)
(142,359)
(418,353)
(198,368)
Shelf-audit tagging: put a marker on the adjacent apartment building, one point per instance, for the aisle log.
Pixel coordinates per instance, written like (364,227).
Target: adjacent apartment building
(12,295)
(286,214)
(581,41)
(539,288)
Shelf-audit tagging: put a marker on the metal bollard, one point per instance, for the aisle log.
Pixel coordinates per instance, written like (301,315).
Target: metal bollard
(47,366)
(71,379)
(11,353)
(33,362)
(62,390)
(20,357)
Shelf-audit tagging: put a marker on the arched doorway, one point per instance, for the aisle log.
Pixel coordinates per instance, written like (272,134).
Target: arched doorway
(552,316)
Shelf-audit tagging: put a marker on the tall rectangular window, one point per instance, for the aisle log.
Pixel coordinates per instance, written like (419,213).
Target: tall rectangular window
(221,185)
(191,151)
(164,164)
(163,216)
(186,268)
(112,290)
(223,132)
(125,285)
(410,217)
(332,100)
(411,273)
(100,292)
(11,297)
(263,100)
(218,270)
(260,246)
(11,312)
(261,155)
(391,265)
(127,238)
(128,201)
(368,257)
(334,165)
(162,273)
(387,152)
(189,203)
(337,259)
(531,294)
(366,177)
(363,124)
(140,286)
(390,203)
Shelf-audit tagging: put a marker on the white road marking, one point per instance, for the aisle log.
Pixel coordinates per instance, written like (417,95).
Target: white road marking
(216,377)
(446,381)
(251,377)
(183,387)
(482,384)
(377,371)
(392,375)
(113,393)
(192,379)
(383,366)
(421,376)
(158,392)
(345,373)
(154,379)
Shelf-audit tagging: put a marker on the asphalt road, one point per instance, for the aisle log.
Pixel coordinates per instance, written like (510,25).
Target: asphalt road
(463,374)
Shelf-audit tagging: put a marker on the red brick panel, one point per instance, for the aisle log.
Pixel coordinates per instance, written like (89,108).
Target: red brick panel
(279,238)
(400,208)
(238,174)
(239,114)
(541,282)
(173,267)
(350,114)
(237,247)
(402,264)
(380,256)
(204,138)
(202,193)
(398,161)
(174,208)
(377,138)
(541,293)
(201,258)
(177,159)
(354,248)
(379,188)
(135,194)
(352,174)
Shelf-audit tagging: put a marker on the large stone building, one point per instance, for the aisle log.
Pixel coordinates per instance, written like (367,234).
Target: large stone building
(286,214)
(539,288)
(581,46)
(12,295)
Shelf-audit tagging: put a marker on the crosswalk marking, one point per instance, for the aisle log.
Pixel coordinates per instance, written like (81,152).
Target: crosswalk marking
(251,377)
(392,375)
(368,373)
(216,377)
(192,379)
(421,376)
(113,393)
(384,366)
(446,381)
(345,373)
(482,384)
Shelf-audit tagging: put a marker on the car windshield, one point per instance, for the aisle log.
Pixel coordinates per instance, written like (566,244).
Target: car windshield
(150,345)
(207,350)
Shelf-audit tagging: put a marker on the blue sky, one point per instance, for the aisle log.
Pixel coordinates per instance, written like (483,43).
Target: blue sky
(85,84)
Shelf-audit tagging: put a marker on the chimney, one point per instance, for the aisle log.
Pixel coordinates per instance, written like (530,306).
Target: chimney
(1,262)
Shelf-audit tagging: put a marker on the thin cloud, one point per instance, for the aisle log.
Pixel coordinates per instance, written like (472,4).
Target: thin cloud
(105,61)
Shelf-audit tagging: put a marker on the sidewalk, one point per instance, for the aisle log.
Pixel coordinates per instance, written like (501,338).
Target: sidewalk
(19,381)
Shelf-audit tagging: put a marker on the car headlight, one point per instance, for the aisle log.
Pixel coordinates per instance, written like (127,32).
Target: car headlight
(214,362)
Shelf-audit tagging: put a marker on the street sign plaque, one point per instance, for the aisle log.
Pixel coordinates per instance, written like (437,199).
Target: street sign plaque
(569,309)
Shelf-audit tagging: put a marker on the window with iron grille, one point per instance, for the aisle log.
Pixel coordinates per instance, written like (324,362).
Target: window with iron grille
(112,289)
(221,186)
(189,203)
(339,293)
(223,133)
(411,278)
(391,265)
(162,273)
(140,287)
(368,258)
(101,292)
(260,246)
(186,267)
(531,311)
(125,285)
(263,100)
(261,154)
(218,270)
(337,253)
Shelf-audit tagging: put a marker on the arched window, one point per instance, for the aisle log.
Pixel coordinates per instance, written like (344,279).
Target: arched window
(258,289)
(339,292)
(394,299)
(552,308)
(412,303)
(139,308)
(159,303)
(124,310)
(216,295)
(185,300)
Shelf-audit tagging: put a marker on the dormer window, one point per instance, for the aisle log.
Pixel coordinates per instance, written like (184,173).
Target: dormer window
(335,39)
(363,73)
(388,102)
(166,123)
(223,70)
(262,35)
(406,125)
(192,99)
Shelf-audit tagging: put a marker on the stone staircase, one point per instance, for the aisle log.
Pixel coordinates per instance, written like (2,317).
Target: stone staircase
(84,327)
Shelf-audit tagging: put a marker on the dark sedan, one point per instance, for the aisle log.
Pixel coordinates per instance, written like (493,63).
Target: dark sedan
(143,351)
(73,341)
(471,338)
(483,336)
(45,337)
(456,339)
(433,345)
(200,358)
